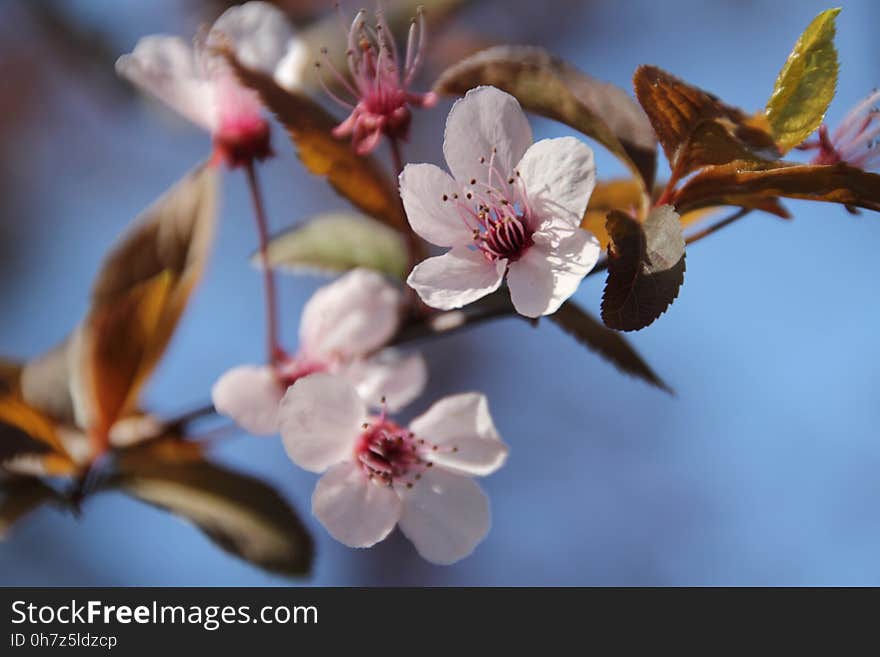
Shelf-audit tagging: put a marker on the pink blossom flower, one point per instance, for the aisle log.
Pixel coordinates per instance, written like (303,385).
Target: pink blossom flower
(855,142)
(342,326)
(200,86)
(380,82)
(510,208)
(378,474)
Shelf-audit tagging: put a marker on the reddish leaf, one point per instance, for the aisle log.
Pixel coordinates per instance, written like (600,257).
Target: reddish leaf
(694,127)
(744,183)
(610,345)
(646,264)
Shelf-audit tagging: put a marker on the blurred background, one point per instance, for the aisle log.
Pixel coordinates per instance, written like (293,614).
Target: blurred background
(763,469)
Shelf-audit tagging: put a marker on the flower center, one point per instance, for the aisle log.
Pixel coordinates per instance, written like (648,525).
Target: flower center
(242,140)
(497,211)
(390,454)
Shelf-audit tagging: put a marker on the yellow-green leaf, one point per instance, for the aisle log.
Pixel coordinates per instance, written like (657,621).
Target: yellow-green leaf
(806,83)
(336,242)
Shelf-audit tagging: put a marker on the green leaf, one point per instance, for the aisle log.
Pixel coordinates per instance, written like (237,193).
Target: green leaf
(806,83)
(645,268)
(337,242)
(610,345)
(548,86)
(239,513)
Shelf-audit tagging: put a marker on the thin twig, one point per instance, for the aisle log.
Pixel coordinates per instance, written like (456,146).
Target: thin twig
(180,422)
(273,347)
(708,230)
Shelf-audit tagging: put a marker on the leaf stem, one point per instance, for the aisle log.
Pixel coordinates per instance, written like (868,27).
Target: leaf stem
(273,348)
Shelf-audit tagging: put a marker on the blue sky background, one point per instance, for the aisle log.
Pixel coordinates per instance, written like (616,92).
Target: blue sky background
(761,470)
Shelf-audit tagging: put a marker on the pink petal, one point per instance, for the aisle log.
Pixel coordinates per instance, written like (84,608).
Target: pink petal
(397,377)
(456,278)
(550,271)
(356,511)
(354,315)
(559,176)
(462,422)
(423,188)
(320,420)
(485,119)
(166,67)
(445,515)
(250,395)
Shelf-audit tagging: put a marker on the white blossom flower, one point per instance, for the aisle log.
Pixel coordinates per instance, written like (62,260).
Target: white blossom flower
(200,86)
(511,207)
(378,474)
(342,327)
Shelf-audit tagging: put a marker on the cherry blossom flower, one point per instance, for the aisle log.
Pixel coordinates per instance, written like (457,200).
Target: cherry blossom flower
(379,81)
(199,84)
(342,326)
(856,140)
(510,208)
(378,474)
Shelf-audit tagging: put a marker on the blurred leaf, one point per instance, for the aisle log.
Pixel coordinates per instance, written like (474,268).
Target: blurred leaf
(744,183)
(239,513)
(20,496)
(646,264)
(806,84)
(138,297)
(359,179)
(14,442)
(623,195)
(23,428)
(548,86)
(337,242)
(611,345)
(694,127)
(46,384)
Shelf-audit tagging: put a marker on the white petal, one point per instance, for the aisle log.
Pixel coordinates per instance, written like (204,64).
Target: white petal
(462,422)
(353,509)
(167,67)
(291,70)
(354,315)
(397,377)
(550,271)
(559,176)
(445,515)
(456,278)
(258,32)
(485,119)
(250,395)
(320,419)
(422,189)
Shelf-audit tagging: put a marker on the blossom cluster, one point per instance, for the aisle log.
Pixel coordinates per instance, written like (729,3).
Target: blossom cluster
(510,211)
